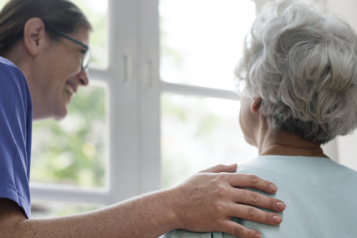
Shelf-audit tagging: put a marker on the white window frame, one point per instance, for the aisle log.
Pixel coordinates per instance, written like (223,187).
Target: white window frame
(134,91)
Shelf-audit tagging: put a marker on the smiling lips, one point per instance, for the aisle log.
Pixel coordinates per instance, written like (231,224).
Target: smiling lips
(70,90)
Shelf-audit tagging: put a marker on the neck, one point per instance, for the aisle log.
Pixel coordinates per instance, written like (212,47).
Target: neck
(23,61)
(271,142)
(16,55)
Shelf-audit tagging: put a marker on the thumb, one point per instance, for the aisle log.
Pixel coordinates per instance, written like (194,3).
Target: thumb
(221,168)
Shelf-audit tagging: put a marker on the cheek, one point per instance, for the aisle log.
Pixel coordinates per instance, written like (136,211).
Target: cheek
(68,63)
(246,122)
(240,119)
(72,64)
(64,71)
(243,113)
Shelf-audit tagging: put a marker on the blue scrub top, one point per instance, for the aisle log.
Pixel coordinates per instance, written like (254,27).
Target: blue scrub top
(15,135)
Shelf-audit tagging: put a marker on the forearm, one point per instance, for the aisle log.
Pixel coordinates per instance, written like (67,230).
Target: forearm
(203,203)
(145,216)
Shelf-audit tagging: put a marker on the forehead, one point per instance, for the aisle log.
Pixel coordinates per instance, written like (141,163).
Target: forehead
(81,35)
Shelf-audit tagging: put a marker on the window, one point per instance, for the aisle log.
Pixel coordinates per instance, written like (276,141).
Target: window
(146,121)
(73,151)
(198,133)
(201,42)
(131,95)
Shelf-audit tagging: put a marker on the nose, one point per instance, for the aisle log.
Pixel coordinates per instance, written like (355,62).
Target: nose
(83,77)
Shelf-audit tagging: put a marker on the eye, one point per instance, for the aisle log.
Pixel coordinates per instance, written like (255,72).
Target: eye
(83,51)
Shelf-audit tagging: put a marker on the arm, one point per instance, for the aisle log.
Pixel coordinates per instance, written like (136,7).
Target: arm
(205,202)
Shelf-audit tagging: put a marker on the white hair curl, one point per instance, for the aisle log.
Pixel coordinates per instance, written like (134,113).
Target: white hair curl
(302,61)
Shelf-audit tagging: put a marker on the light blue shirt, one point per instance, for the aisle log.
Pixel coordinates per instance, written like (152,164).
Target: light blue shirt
(320,197)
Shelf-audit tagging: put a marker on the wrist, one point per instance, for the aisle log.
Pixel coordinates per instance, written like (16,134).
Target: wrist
(170,202)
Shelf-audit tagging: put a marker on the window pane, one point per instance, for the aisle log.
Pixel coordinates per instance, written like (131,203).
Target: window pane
(96,12)
(73,151)
(2,3)
(198,133)
(47,209)
(201,40)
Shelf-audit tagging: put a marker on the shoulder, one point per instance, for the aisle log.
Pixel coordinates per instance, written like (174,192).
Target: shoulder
(300,167)
(6,66)
(6,62)
(10,73)
(12,81)
(189,234)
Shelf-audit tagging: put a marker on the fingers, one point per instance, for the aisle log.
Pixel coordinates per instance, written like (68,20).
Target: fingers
(255,214)
(251,181)
(221,168)
(258,200)
(238,230)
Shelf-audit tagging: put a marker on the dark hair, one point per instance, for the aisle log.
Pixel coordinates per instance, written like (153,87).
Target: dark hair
(61,15)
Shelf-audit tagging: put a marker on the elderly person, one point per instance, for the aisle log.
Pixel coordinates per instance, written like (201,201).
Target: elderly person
(298,84)
(44,55)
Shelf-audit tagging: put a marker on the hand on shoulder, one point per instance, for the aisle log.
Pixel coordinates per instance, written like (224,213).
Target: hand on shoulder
(208,201)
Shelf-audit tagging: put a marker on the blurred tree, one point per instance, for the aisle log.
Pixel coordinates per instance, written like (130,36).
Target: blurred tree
(72,151)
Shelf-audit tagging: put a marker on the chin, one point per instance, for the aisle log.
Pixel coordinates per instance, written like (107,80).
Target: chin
(249,141)
(60,114)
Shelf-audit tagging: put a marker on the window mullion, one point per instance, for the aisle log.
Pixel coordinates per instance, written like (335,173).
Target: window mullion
(149,93)
(124,101)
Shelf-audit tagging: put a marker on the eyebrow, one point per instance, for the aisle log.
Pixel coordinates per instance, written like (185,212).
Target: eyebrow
(70,38)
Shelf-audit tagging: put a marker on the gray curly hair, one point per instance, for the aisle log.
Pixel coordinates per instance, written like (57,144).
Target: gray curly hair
(302,61)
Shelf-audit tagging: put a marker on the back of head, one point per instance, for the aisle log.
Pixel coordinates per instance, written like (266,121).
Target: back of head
(302,61)
(62,15)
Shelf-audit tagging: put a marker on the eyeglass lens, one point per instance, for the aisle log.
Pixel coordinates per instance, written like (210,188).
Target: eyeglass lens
(86,59)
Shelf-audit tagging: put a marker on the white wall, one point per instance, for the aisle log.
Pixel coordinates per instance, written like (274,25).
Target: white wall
(346,9)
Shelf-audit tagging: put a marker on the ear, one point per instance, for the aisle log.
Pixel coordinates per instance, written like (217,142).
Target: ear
(255,105)
(34,35)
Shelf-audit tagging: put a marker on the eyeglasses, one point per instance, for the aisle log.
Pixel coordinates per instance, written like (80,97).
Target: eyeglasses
(86,53)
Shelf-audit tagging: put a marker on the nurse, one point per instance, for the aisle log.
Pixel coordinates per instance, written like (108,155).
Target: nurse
(44,53)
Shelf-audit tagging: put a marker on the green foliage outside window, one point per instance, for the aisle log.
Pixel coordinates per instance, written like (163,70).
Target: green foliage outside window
(72,151)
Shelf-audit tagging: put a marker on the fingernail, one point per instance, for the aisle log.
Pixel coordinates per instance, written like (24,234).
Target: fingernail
(258,235)
(276,219)
(273,188)
(280,205)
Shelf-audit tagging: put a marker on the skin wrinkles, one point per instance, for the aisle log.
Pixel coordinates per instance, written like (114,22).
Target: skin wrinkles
(49,66)
(269,141)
